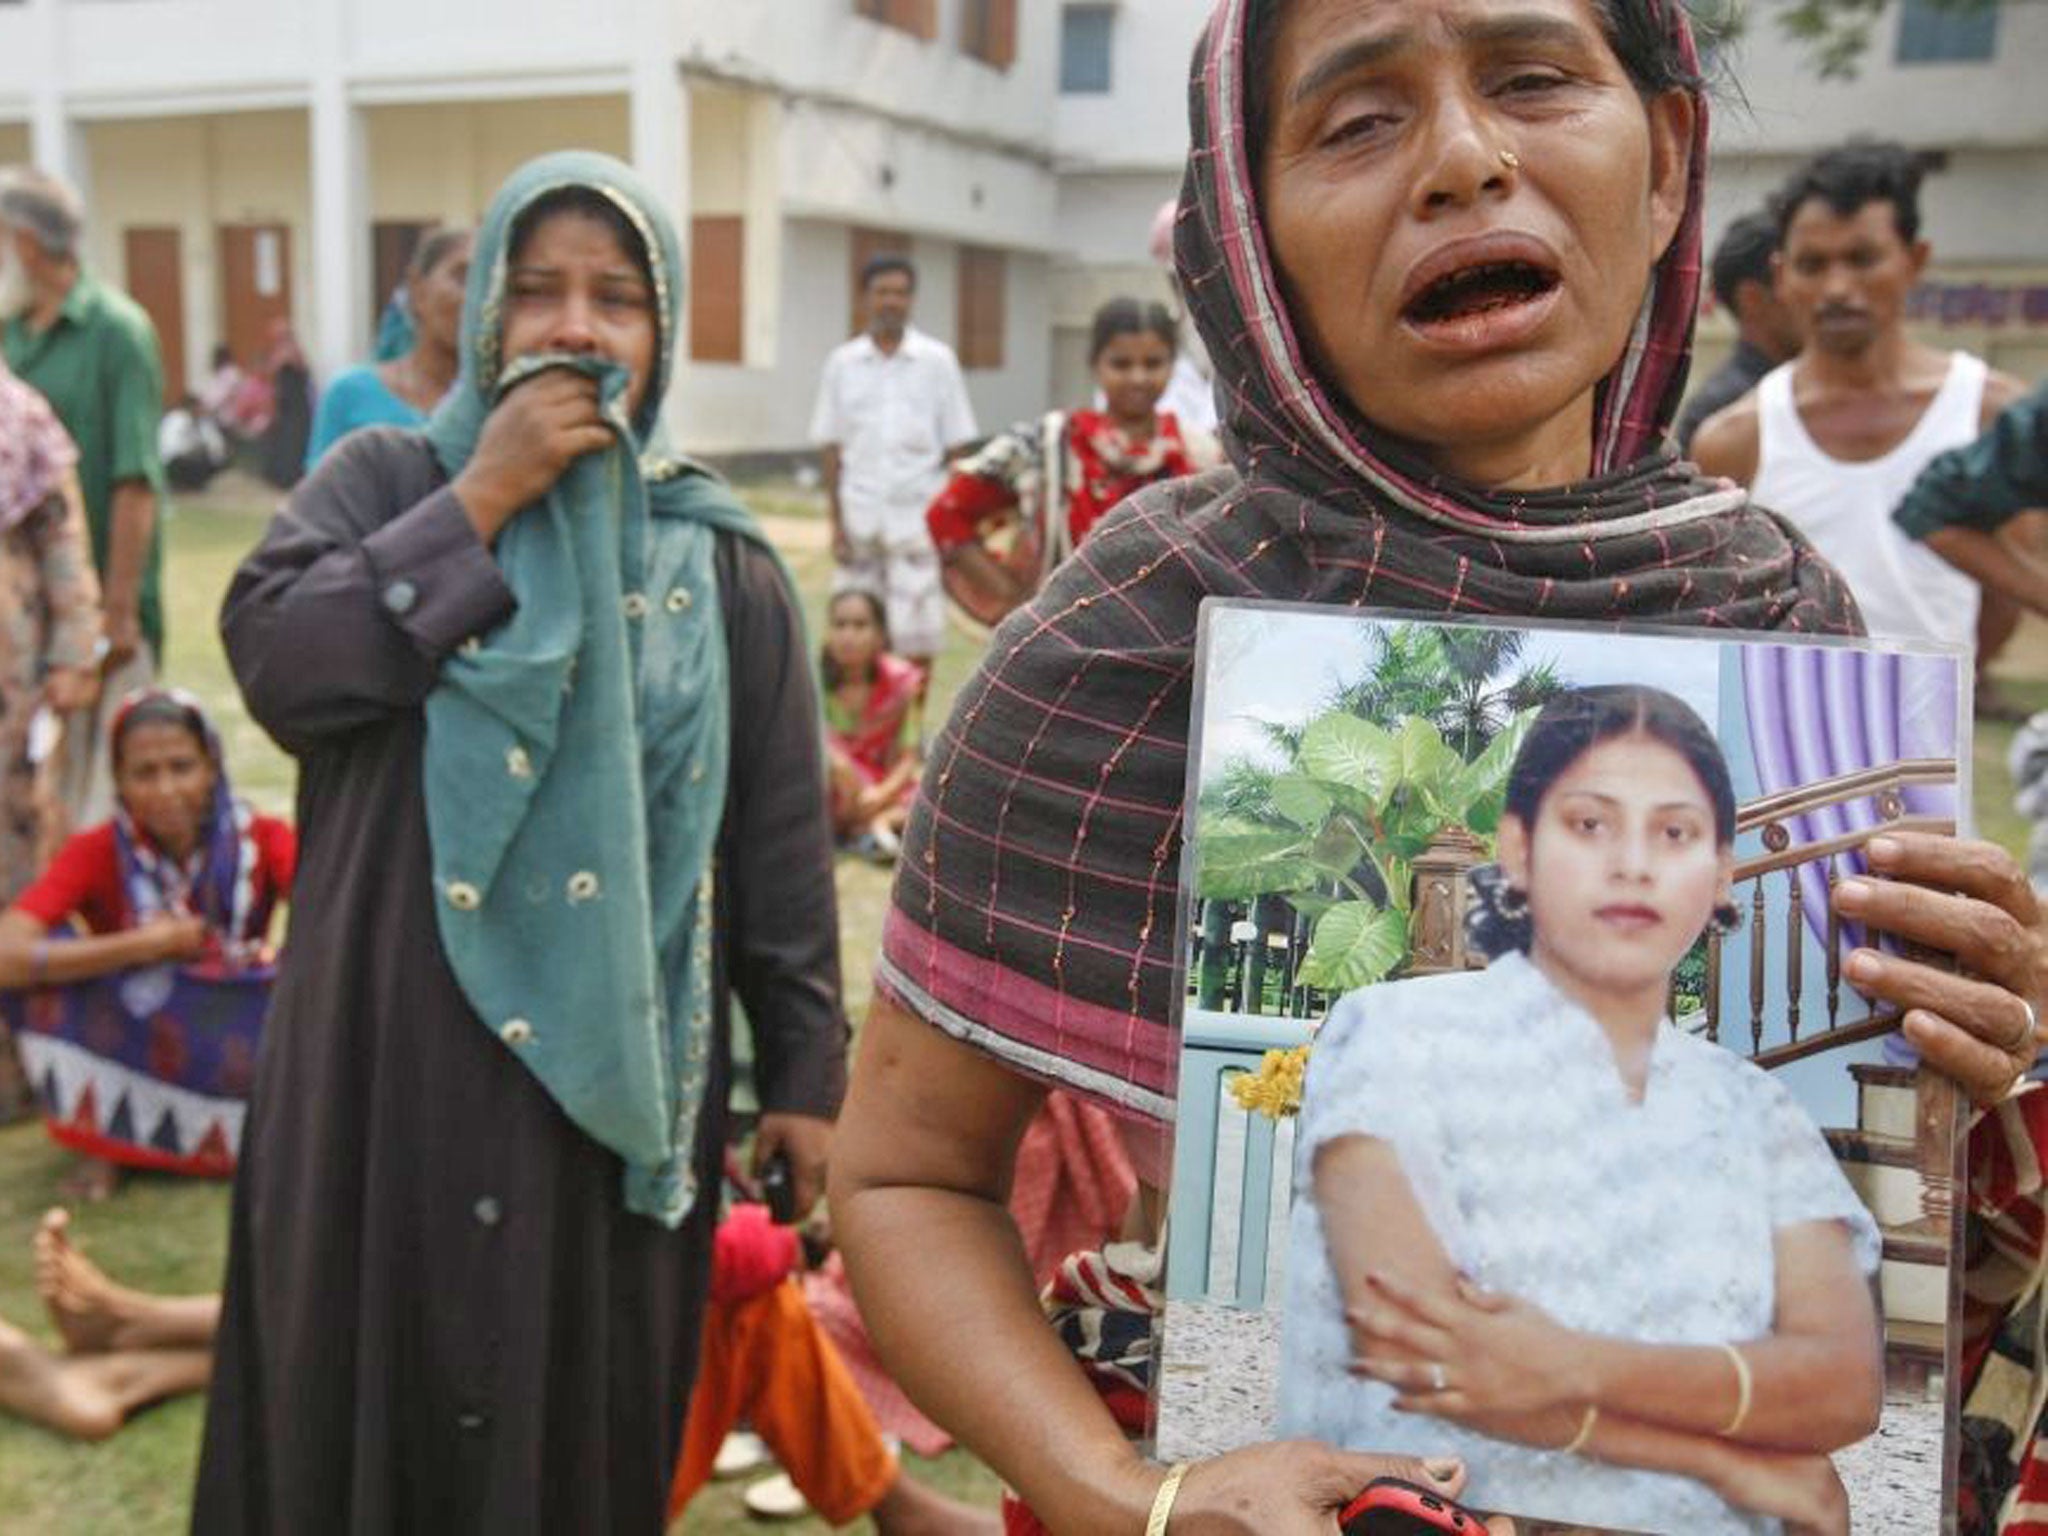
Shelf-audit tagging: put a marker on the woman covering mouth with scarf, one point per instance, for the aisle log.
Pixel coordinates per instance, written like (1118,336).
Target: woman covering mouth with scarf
(1445,256)
(560,797)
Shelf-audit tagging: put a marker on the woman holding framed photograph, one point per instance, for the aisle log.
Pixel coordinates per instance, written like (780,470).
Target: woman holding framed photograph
(1650,1262)
(1445,258)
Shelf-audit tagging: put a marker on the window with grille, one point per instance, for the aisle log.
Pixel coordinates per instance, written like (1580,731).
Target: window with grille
(1085,34)
(1952,33)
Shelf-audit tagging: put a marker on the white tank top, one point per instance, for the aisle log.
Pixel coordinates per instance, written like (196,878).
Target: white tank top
(1905,590)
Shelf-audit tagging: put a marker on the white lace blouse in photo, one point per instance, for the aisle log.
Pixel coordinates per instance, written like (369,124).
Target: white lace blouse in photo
(1652,1221)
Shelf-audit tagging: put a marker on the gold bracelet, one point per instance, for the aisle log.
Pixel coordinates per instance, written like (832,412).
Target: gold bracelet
(1162,1501)
(1578,1441)
(1745,1388)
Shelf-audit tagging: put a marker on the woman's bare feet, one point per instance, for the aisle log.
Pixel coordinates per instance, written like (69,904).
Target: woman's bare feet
(93,1315)
(84,1305)
(49,1390)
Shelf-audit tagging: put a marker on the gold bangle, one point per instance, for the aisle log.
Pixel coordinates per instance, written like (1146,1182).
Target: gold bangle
(1162,1501)
(1745,1388)
(1578,1441)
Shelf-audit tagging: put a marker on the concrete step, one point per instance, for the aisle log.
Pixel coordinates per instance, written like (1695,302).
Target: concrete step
(1916,1341)
(1913,1279)
(1881,1170)
(1884,1099)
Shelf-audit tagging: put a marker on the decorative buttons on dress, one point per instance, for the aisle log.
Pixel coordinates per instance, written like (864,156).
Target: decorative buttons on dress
(517,763)
(400,596)
(696,773)
(473,646)
(515,1032)
(679,600)
(635,605)
(463,896)
(488,1212)
(582,886)
(471,1422)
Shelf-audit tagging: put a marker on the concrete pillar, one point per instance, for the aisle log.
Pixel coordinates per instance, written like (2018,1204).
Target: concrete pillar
(658,117)
(56,144)
(339,156)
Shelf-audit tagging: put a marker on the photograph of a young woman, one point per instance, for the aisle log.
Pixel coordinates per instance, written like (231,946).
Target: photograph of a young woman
(1608,1263)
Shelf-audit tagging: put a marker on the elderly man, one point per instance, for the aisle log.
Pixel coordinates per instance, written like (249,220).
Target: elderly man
(92,352)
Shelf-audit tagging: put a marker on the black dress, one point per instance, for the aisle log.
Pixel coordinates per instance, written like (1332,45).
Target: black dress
(438,1315)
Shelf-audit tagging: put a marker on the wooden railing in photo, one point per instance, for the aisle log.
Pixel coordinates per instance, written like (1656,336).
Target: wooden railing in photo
(1244,1000)
(1772,817)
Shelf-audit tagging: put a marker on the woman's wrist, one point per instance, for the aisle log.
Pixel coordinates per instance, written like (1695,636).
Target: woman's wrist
(487,508)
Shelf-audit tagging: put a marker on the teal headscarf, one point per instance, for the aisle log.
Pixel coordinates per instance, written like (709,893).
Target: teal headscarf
(576,755)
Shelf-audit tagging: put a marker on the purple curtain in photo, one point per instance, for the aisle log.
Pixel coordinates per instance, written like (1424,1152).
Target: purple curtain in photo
(1816,712)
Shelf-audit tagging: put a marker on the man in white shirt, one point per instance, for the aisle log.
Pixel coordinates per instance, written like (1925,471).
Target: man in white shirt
(891,408)
(1834,438)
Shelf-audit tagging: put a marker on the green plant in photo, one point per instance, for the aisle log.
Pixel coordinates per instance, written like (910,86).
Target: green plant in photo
(1345,819)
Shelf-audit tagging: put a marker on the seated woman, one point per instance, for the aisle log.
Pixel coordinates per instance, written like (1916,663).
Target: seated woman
(1054,478)
(184,872)
(1653,1341)
(871,724)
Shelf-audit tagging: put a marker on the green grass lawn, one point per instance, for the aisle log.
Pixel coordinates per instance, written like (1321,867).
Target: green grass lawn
(171,1234)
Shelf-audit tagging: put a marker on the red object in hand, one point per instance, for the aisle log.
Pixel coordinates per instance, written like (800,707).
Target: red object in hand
(1391,1507)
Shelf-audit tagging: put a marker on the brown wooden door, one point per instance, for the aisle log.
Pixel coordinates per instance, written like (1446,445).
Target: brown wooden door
(392,242)
(255,286)
(154,270)
(718,246)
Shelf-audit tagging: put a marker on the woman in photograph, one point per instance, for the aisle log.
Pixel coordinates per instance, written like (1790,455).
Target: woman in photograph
(560,801)
(1445,258)
(1050,481)
(1532,1216)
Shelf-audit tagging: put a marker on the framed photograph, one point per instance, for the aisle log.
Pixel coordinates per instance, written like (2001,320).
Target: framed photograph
(1529,1111)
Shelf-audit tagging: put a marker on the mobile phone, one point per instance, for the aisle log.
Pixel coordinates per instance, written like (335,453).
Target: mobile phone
(1391,1507)
(778,1190)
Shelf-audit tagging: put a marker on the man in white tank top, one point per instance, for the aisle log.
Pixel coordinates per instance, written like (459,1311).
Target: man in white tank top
(1834,438)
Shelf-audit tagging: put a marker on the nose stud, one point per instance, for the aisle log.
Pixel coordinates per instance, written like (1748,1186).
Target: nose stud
(1511,160)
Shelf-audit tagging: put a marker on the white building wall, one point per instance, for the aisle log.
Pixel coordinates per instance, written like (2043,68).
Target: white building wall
(1121,155)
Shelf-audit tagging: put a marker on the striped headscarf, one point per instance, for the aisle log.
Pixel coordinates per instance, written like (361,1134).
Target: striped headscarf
(1035,906)
(217,880)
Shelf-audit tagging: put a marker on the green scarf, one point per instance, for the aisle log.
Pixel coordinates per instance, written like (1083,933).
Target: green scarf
(576,755)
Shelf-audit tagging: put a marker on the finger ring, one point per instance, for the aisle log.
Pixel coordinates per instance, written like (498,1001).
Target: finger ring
(1437,1380)
(2032,1035)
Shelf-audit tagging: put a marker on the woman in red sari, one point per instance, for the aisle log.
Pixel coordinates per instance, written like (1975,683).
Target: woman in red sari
(1053,478)
(871,724)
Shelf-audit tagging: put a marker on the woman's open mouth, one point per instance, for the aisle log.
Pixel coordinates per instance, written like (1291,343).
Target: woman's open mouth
(1480,290)
(1481,293)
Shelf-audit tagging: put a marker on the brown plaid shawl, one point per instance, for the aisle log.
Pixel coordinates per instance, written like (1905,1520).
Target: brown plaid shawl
(1034,910)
